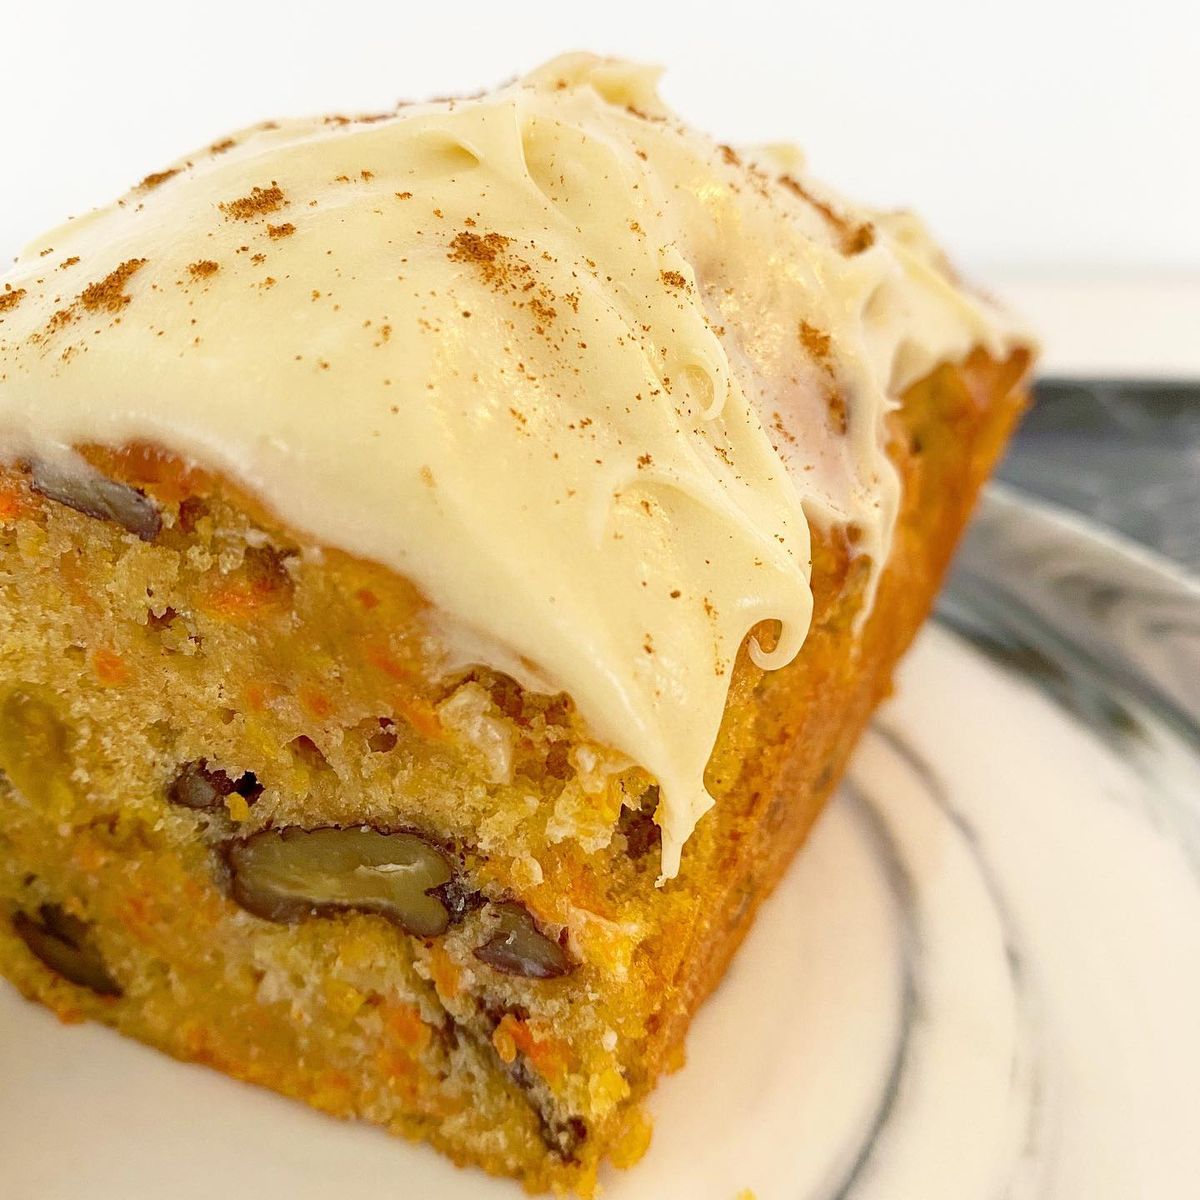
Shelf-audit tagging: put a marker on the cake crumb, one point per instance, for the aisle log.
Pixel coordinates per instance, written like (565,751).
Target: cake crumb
(633,1140)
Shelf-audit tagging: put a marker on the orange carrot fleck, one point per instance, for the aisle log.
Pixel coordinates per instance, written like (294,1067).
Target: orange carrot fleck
(380,656)
(242,598)
(403,1024)
(12,500)
(447,978)
(421,716)
(137,916)
(549,1056)
(110,667)
(88,858)
(504,1042)
(315,702)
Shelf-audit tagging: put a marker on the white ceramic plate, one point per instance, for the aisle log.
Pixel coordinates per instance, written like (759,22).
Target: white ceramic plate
(981,978)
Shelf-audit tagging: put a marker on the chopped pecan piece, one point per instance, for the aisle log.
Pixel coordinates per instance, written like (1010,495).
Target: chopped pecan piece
(197,787)
(84,489)
(519,947)
(63,943)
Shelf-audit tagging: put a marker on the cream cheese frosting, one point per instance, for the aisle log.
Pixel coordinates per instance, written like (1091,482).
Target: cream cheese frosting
(582,374)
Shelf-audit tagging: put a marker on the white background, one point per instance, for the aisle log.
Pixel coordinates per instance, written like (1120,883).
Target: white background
(1053,146)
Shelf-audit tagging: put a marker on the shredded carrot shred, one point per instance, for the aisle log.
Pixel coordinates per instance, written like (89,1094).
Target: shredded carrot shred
(403,1023)
(110,667)
(12,500)
(447,978)
(548,1055)
(315,702)
(381,657)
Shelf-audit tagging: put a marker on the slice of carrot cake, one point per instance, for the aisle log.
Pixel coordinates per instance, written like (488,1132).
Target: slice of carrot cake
(446,558)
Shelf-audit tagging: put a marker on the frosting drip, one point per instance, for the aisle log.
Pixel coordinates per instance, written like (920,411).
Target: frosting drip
(580,373)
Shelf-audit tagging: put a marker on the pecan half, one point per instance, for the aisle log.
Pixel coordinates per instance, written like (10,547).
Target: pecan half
(285,875)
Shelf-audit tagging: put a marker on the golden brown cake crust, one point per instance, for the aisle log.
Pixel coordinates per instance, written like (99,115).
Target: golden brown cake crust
(299,681)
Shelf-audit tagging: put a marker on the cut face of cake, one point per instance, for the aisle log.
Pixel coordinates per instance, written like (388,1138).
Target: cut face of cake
(446,558)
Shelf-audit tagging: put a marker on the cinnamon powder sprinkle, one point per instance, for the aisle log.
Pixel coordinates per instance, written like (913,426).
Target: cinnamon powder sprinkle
(479,248)
(10,297)
(109,294)
(820,346)
(839,417)
(68,262)
(486,251)
(152,181)
(203,269)
(860,239)
(259,203)
(281,231)
(853,239)
(781,429)
(221,147)
(542,311)
(674,279)
(816,342)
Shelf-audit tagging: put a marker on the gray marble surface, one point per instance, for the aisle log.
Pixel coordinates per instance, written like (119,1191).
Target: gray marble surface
(1125,454)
